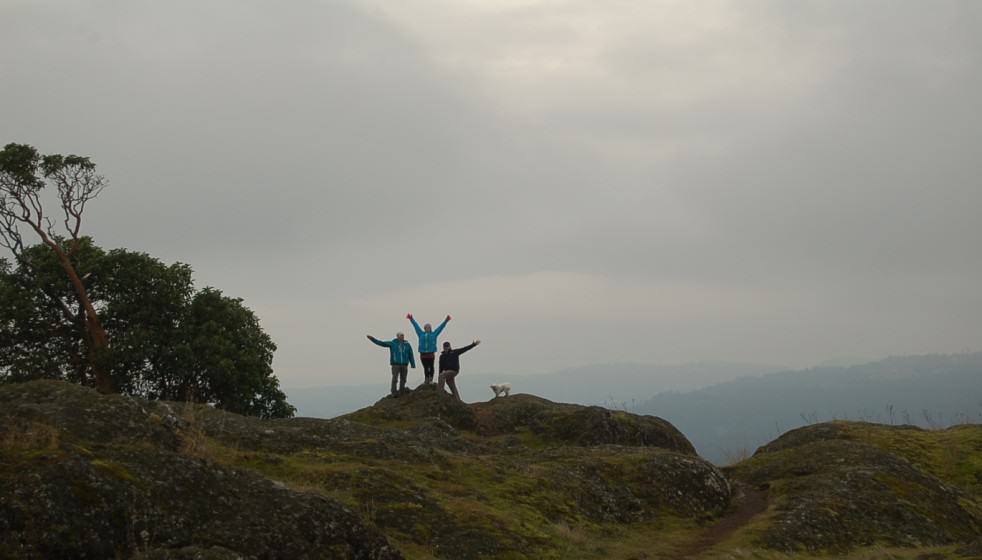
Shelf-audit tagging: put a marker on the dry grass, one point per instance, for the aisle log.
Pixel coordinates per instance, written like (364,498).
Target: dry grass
(875,552)
(194,440)
(27,435)
(733,456)
(368,510)
(569,535)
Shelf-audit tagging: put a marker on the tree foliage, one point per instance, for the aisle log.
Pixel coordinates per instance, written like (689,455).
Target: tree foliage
(169,340)
(24,176)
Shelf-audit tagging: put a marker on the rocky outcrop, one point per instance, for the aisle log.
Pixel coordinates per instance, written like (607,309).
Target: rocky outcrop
(106,476)
(417,406)
(92,476)
(839,486)
(421,475)
(576,425)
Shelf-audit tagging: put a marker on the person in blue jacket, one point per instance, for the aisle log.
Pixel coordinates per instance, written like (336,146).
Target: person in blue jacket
(400,356)
(427,345)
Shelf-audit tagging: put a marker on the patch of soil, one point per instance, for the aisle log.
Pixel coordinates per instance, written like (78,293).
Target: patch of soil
(749,503)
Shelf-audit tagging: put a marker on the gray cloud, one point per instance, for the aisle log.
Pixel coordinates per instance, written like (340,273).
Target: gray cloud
(576,181)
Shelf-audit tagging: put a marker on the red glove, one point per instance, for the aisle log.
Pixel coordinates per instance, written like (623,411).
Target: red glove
(409,315)
(449,317)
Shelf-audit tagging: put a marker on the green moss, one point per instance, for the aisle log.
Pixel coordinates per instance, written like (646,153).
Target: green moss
(875,552)
(843,485)
(114,469)
(84,493)
(954,455)
(501,504)
(82,450)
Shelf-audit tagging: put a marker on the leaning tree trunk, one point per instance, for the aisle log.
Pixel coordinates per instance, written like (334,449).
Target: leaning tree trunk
(23,173)
(99,354)
(95,333)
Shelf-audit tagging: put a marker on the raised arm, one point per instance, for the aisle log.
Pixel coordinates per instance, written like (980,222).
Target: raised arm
(382,343)
(439,329)
(419,331)
(468,347)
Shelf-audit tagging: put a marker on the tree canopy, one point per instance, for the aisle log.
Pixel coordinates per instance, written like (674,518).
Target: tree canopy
(170,341)
(25,175)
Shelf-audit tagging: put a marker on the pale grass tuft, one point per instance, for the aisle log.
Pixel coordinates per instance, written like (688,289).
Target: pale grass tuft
(733,456)
(368,510)
(570,535)
(874,552)
(193,435)
(24,435)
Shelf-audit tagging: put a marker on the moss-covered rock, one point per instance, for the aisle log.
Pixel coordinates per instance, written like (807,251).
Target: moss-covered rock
(576,425)
(117,480)
(189,553)
(834,489)
(629,485)
(417,406)
(77,415)
(168,480)
(425,476)
(545,422)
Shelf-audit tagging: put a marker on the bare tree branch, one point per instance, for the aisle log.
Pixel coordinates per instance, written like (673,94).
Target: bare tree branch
(9,233)
(11,239)
(34,199)
(77,183)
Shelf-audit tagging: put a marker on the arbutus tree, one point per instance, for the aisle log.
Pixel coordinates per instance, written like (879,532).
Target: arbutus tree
(170,341)
(24,176)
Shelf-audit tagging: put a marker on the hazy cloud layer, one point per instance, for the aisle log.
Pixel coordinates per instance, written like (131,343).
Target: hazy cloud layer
(576,181)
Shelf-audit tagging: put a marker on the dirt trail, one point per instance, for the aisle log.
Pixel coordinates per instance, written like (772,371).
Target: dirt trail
(749,503)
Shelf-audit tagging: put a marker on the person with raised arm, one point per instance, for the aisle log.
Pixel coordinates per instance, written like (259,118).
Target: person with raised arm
(400,356)
(450,366)
(427,345)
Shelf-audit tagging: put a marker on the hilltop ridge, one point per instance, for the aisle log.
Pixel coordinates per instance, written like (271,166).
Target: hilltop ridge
(424,476)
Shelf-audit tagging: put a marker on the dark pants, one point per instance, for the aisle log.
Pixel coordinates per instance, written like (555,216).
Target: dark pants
(448,376)
(399,373)
(427,361)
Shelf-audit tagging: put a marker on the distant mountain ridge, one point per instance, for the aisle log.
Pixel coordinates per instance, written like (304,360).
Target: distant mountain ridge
(622,385)
(727,419)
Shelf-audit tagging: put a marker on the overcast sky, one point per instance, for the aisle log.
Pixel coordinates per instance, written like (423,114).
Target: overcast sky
(575,181)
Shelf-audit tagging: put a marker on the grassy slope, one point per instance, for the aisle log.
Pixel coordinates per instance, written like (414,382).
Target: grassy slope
(953,456)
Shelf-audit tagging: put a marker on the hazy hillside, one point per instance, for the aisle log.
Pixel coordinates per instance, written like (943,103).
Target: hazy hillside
(728,418)
(614,385)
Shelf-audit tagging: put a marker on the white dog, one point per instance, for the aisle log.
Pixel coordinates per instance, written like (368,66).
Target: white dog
(500,388)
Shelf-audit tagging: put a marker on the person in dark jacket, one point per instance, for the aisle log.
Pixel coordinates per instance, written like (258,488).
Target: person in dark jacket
(450,365)
(400,356)
(427,336)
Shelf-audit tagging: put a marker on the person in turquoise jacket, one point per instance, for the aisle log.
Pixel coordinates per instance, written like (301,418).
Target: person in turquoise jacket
(400,356)
(427,345)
